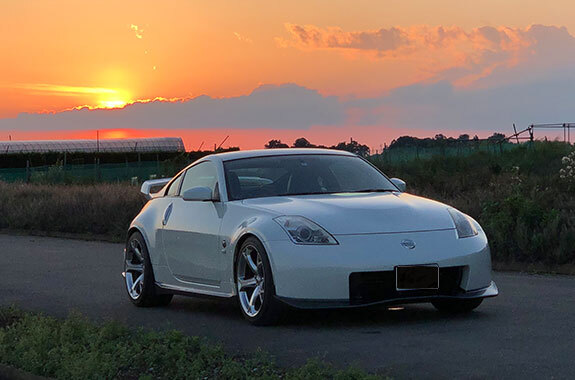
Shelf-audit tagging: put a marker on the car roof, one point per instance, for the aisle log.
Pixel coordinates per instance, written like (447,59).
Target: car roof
(236,155)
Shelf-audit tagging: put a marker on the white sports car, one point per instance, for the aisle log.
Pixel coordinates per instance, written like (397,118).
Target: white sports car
(310,228)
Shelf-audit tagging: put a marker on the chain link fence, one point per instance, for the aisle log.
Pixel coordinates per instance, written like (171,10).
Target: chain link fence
(408,153)
(134,172)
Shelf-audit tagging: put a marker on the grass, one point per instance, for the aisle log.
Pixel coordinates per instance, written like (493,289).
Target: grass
(518,196)
(76,348)
(90,210)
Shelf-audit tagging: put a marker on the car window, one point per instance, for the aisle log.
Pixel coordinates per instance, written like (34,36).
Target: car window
(301,174)
(174,187)
(202,174)
(349,174)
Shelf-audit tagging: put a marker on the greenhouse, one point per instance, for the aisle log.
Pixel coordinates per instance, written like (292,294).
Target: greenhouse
(140,145)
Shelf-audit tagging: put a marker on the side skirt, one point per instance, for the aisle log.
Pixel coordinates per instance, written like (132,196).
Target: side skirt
(172,289)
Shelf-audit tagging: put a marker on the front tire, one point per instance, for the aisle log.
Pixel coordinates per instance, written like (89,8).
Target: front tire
(457,306)
(255,286)
(139,275)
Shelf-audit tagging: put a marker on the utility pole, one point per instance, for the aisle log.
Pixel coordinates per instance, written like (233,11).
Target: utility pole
(222,143)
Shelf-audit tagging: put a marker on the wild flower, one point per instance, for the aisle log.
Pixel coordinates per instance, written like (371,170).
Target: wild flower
(515,175)
(567,172)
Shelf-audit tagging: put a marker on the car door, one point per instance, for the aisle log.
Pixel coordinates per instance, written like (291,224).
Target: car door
(191,232)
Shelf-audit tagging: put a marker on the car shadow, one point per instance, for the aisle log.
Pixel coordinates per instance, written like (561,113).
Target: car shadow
(378,315)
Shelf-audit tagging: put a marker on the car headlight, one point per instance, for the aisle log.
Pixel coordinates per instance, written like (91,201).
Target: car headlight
(303,231)
(464,224)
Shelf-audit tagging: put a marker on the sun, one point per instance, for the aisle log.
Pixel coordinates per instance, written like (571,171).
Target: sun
(118,99)
(114,103)
(115,134)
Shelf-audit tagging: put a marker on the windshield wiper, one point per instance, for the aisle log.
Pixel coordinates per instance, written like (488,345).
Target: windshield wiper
(371,191)
(311,193)
(342,192)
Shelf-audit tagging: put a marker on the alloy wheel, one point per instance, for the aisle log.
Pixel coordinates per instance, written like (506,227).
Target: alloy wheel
(134,269)
(250,279)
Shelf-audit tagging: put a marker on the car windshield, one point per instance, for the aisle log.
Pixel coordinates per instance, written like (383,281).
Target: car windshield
(302,175)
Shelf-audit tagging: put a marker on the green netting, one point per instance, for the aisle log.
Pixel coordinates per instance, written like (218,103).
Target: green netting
(410,153)
(85,173)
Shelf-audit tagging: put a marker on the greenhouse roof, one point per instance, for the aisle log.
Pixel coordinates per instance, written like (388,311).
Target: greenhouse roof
(141,145)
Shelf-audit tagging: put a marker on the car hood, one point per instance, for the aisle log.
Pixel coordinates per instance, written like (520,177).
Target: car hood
(362,213)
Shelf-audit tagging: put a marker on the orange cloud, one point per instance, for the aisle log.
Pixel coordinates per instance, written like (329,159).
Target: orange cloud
(410,39)
(310,36)
(139,32)
(63,90)
(434,49)
(243,38)
(103,97)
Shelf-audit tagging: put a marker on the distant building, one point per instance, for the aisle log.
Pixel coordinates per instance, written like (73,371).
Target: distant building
(141,145)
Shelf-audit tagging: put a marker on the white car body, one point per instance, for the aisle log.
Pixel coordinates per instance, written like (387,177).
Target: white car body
(193,248)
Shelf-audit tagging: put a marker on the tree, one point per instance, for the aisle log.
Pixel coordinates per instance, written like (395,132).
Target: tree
(463,137)
(496,136)
(353,147)
(404,141)
(274,144)
(303,143)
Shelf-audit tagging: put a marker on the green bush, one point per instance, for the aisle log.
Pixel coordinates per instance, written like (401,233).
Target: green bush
(520,229)
(519,197)
(76,348)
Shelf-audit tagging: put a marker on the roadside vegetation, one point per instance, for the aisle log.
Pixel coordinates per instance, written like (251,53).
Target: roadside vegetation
(100,211)
(523,196)
(76,348)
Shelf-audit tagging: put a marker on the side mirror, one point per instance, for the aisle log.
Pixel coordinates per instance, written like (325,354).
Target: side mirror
(199,193)
(151,188)
(400,184)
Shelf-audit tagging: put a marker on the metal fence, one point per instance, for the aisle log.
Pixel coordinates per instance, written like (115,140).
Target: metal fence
(408,153)
(131,171)
(139,145)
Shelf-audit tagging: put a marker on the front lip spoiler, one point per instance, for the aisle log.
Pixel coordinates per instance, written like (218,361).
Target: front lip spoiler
(300,303)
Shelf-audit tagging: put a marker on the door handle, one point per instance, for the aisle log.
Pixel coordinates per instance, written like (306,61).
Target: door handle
(167,214)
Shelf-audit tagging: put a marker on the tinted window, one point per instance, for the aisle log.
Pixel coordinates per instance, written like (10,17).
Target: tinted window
(301,174)
(174,187)
(203,174)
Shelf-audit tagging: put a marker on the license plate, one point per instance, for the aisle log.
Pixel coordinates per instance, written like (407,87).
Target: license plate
(417,277)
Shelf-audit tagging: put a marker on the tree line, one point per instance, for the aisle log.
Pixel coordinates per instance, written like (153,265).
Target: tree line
(351,146)
(441,140)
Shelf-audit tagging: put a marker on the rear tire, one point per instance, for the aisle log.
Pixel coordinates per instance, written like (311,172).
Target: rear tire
(253,274)
(139,275)
(457,306)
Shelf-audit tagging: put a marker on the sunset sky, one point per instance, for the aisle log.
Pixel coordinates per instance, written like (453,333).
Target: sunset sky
(257,70)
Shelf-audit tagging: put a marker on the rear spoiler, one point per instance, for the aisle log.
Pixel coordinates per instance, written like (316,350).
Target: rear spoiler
(151,189)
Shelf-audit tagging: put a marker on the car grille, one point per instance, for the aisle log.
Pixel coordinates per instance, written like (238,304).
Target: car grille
(368,287)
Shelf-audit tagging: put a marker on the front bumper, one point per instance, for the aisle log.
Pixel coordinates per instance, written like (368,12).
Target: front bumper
(324,273)
(489,291)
